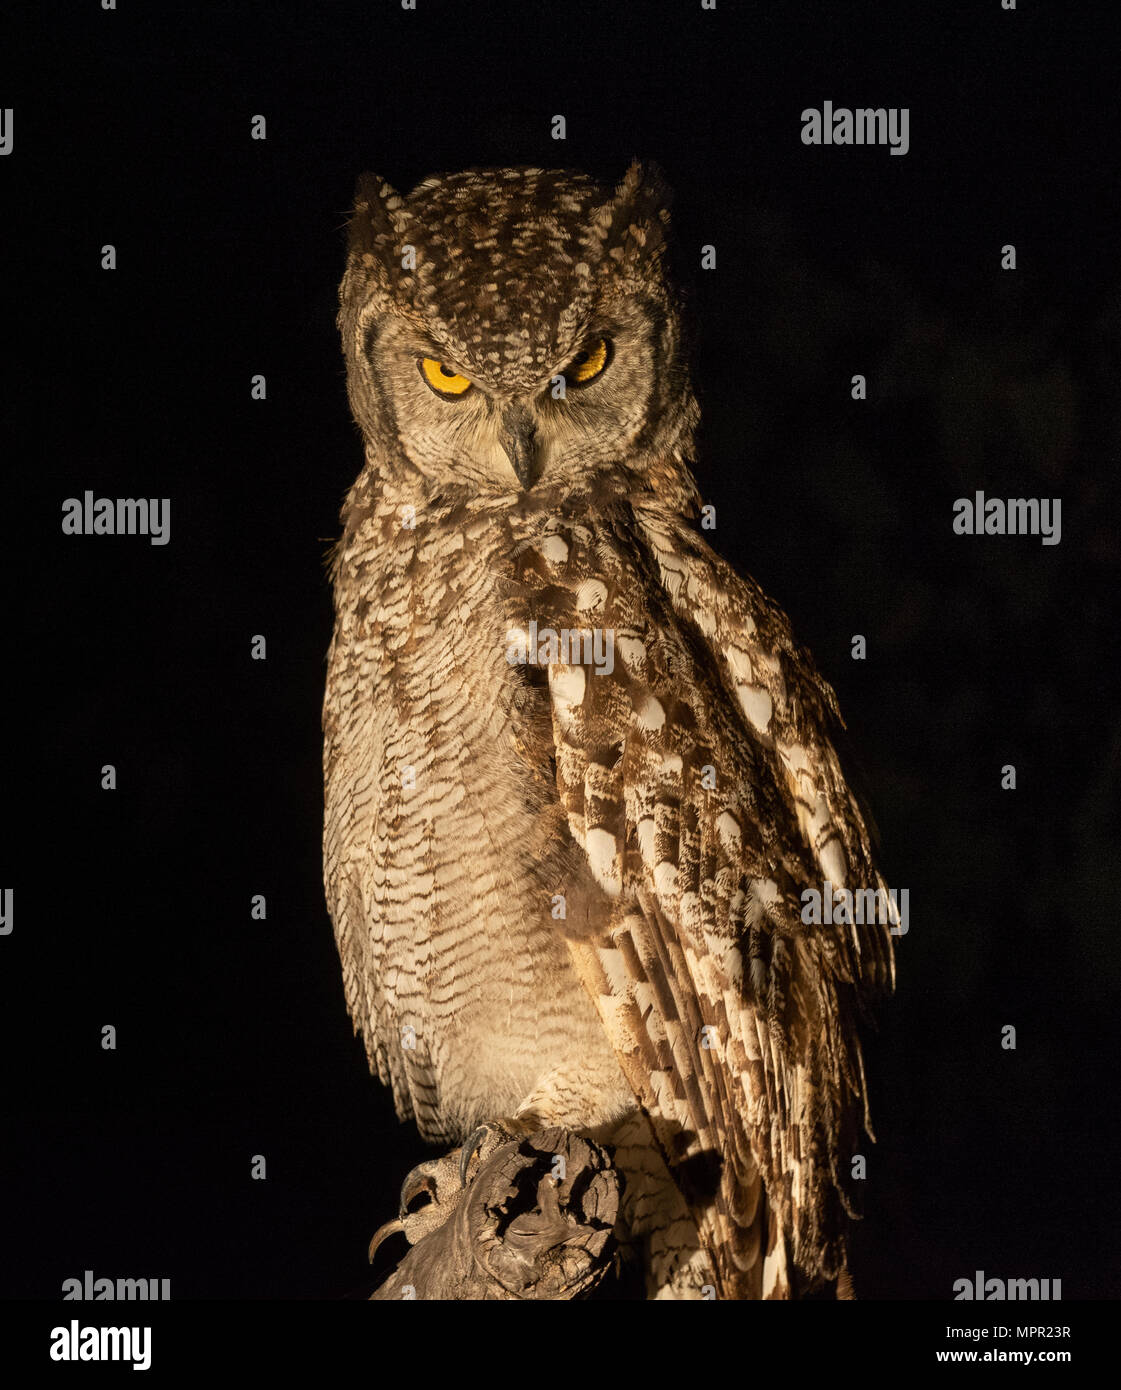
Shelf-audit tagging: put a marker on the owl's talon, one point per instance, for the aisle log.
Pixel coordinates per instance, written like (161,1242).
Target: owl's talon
(437,1178)
(382,1234)
(474,1143)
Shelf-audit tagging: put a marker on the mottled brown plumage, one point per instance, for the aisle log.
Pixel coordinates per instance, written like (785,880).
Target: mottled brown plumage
(561,893)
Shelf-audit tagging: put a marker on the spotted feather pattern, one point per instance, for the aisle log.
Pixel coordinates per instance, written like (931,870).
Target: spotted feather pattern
(700,780)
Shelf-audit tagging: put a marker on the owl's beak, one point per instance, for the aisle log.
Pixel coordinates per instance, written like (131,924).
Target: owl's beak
(518,435)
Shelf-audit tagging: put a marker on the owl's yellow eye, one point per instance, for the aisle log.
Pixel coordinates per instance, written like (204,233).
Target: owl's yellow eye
(443,380)
(589,364)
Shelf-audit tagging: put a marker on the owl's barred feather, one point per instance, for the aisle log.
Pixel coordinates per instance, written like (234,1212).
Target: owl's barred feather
(676,801)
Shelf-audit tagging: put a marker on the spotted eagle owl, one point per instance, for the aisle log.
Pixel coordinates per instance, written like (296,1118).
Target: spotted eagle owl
(578,774)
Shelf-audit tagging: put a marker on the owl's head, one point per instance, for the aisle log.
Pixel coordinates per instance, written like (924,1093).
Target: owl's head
(514,329)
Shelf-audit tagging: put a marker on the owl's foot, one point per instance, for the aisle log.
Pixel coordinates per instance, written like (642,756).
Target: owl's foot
(443,1180)
(536,1221)
(437,1179)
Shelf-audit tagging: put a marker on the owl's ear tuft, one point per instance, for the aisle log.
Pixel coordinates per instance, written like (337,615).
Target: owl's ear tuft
(635,223)
(378,220)
(375,230)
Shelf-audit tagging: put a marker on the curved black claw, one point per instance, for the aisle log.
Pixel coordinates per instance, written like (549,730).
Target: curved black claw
(472,1146)
(382,1234)
(415,1183)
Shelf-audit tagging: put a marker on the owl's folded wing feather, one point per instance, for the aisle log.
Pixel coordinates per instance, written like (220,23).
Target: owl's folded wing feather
(699,778)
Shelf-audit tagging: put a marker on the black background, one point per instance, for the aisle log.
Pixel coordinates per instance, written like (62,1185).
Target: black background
(132,906)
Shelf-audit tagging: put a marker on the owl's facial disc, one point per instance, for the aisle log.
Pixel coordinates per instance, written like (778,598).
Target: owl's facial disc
(464,417)
(518,420)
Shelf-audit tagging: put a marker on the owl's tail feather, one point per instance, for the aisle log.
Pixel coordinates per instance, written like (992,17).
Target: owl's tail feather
(743,1236)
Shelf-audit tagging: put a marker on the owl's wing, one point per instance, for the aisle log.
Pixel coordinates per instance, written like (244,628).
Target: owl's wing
(699,778)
